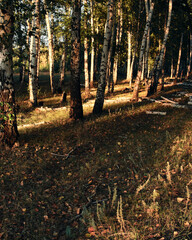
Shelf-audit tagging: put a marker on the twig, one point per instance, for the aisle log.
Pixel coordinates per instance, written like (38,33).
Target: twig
(66,155)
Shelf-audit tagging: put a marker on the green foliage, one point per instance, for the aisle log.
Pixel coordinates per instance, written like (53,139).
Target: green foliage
(6,117)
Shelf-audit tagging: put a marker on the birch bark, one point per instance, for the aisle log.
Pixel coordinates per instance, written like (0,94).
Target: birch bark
(33,63)
(8,124)
(86,67)
(92,46)
(129,56)
(98,106)
(118,41)
(138,78)
(147,7)
(51,49)
(38,26)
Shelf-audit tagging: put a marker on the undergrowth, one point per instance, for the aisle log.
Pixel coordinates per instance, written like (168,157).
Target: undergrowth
(122,175)
(160,208)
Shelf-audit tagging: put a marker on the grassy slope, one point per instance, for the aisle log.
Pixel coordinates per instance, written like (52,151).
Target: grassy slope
(111,157)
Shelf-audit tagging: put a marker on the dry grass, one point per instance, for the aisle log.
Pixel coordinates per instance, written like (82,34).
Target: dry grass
(81,180)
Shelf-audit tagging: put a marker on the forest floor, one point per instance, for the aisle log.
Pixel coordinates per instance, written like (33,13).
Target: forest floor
(123,175)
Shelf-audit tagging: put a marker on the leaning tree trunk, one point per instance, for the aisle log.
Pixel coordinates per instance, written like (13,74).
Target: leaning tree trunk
(76,109)
(8,124)
(190,57)
(98,106)
(51,49)
(92,46)
(179,60)
(33,63)
(159,60)
(138,78)
(86,67)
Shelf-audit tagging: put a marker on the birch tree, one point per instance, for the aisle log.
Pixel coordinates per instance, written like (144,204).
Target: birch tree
(62,66)
(33,61)
(129,56)
(8,124)
(86,67)
(98,106)
(50,48)
(118,41)
(38,36)
(142,50)
(159,60)
(76,109)
(146,56)
(92,45)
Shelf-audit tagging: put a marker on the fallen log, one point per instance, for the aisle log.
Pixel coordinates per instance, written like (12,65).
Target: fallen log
(168,100)
(156,113)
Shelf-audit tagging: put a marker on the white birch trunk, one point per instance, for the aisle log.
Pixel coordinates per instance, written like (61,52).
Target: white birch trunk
(108,71)
(138,78)
(38,36)
(33,63)
(98,106)
(62,68)
(131,70)
(86,67)
(118,41)
(8,123)
(92,46)
(51,50)
(129,56)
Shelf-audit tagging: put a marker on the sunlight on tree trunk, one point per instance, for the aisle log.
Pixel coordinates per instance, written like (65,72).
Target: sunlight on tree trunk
(8,124)
(33,63)
(62,67)
(138,78)
(129,56)
(51,49)
(86,67)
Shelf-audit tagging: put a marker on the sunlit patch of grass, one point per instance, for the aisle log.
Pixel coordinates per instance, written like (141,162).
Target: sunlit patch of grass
(161,209)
